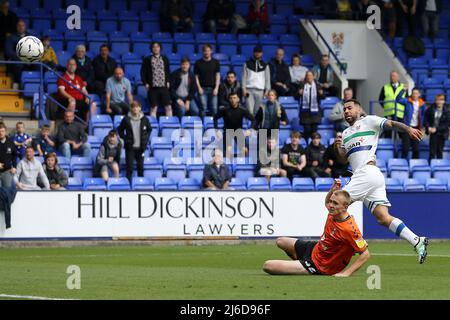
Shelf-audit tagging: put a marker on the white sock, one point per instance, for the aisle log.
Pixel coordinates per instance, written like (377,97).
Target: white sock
(401,230)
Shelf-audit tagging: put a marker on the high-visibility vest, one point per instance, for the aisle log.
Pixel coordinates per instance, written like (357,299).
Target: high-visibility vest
(390,95)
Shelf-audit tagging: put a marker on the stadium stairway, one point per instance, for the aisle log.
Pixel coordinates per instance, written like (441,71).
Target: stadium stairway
(11,104)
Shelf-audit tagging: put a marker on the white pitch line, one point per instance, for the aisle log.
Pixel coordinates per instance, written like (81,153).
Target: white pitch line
(29,297)
(409,255)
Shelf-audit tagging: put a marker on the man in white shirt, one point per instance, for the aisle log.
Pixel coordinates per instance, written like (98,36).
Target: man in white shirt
(28,172)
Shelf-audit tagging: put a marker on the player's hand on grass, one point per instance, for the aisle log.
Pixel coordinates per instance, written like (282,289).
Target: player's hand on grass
(415,134)
(341,275)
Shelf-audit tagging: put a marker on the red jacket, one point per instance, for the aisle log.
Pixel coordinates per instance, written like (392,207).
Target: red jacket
(262,14)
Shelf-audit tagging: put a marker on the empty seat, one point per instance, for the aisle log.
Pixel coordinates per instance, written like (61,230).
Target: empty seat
(257,183)
(118,184)
(419,165)
(413,185)
(280,184)
(97,184)
(324,184)
(168,125)
(303,184)
(165,184)
(74,184)
(141,184)
(100,124)
(175,168)
(440,165)
(433,184)
(189,184)
(393,184)
(81,167)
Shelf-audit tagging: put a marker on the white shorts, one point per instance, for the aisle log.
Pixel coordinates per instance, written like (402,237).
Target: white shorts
(367,185)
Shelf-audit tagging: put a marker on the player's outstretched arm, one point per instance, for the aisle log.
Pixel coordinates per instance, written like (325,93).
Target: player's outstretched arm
(363,257)
(341,154)
(415,134)
(336,186)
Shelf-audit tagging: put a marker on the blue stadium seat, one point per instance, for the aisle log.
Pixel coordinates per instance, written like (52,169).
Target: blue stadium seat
(74,184)
(280,184)
(419,165)
(397,164)
(443,175)
(434,184)
(167,125)
(421,176)
(413,185)
(244,168)
(165,184)
(79,165)
(324,184)
(142,184)
(161,147)
(133,71)
(237,184)
(438,63)
(175,168)
(303,184)
(257,183)
(440,165)
(95,141)
(419,62)
(91,184)
(393,184)
(195,167)
(152,169)
(64,163)
(100,124)
(431,83)
(95,6)
(189,184)
(118,184)
(120,47)
(117,120)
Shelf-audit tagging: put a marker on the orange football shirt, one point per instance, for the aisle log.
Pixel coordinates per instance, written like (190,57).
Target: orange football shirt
(339,242)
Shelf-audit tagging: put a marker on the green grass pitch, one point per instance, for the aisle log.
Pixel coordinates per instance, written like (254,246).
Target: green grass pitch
(214,272)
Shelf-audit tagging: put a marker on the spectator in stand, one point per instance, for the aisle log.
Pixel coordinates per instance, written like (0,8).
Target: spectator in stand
(414,116)
(310,95)
(29,170)
(430,10)
(344,9)
(119,94)
(85,69)
(155,74)
(72,92)
(177,15)
(104,67)
(220,14)
(135,130)
(437,124)
(388,95)
(293,156)
(8,22)
(8,158)
(258,17)
(182,90)
(315,158)
(56,176)
(406,9)
(361,9)
(269,161)
(207,76)
(232,123)
(217,175)
(108,157)
(255,80)
(72,138)
(49,57)
(333,166)
(21,139)
(336,115)
(271,114)
(45,144)
(280,75)
(11,55)
(227,87)
(388,13)
(297,72)
(324,76)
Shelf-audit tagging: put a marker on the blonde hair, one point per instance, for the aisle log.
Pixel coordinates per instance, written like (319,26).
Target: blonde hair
(345,195)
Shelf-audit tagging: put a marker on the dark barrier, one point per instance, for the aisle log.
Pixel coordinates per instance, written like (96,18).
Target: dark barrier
(426,213)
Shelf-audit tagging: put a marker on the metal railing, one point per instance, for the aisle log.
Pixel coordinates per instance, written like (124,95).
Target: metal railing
(42,66)
(342,67)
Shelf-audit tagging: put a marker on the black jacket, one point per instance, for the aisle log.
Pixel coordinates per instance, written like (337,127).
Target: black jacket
(105,152)
(279,72)
(444,121)
(7,196)
(147,71)
(8,155)
(125,131)
(103,70)
(216,10)
(217,176)
(314,153)
(179,8)
(262,113)
(86,71)
(225,90)
(175,81)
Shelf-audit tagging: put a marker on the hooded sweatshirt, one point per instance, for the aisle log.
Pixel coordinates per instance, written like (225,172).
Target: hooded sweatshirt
(136,126)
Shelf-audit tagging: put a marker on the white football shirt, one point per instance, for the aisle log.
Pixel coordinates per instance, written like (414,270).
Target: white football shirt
(360,141)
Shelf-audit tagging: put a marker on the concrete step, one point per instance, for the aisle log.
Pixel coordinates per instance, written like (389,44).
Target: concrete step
(11,103)
(31,126)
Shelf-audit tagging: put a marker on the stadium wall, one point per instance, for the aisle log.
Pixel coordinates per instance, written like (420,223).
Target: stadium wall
(85,215)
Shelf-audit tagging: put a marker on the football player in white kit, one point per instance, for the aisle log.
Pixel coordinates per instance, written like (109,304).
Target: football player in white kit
(358,146)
